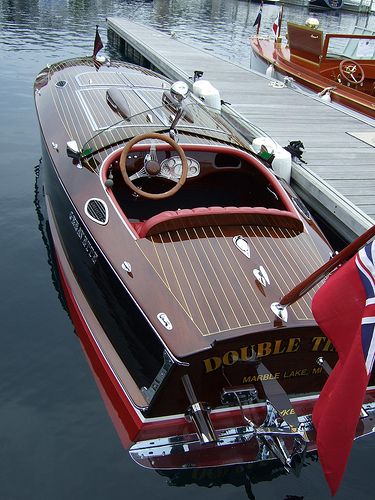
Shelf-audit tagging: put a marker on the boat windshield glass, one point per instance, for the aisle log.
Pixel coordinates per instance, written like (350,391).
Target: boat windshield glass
(351,48)
(196,119)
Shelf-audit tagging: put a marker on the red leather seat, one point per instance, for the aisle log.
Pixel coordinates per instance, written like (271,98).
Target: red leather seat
(218,216)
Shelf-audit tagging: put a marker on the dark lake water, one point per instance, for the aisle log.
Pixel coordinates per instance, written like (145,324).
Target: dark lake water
(56,438)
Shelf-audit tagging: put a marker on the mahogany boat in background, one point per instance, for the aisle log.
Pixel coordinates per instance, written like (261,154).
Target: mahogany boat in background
(174,239)
(340,67)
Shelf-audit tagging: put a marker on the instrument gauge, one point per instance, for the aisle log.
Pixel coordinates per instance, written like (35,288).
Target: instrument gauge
(178,169)
(172,167)
(165,170)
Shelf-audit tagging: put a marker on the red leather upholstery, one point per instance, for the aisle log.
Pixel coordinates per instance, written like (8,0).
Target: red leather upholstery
(218,216)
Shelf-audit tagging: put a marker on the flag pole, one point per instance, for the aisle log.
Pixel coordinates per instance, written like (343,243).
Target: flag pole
(261,9)
(259,18)
(309,283)
(281,20)
(278,28)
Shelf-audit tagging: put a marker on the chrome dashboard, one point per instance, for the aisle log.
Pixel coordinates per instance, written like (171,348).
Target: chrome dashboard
(171,168)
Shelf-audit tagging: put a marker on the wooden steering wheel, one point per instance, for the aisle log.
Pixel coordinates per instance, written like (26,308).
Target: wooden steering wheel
(151,167)
(351,71)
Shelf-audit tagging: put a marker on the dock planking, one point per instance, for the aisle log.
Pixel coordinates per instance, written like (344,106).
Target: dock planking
(337,179)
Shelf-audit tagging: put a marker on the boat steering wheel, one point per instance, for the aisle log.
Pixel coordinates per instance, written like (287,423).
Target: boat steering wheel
(351,71)
(151,166)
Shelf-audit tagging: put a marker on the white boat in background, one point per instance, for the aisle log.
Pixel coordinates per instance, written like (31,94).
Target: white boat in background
(359,5)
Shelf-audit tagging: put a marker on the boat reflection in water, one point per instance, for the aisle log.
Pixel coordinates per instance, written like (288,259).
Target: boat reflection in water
(40,210)
(237,475)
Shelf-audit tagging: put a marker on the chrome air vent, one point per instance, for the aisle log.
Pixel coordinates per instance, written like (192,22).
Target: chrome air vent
(97,211)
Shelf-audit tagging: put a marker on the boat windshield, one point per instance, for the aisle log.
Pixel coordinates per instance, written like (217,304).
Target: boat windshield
(351,47)
(196,120)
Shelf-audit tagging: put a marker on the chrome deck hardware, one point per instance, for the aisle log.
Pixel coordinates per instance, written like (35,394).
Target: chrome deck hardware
(262,276)
(271,437)
(243,395)
(271,433)
(323,363)
(242,245)
(149,392)
(179,92)
(161,453)
(198,413)
(280,311)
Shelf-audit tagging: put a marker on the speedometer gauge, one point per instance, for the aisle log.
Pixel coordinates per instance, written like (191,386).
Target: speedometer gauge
(172,167)
(178,169)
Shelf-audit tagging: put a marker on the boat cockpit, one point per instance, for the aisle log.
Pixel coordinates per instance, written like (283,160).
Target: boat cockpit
(208,185)
(346,58)
(189,177)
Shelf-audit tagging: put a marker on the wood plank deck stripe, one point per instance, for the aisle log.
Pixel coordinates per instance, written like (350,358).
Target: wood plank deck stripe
(214,283)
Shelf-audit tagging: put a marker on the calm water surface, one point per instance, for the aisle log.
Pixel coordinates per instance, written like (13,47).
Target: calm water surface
(56,438)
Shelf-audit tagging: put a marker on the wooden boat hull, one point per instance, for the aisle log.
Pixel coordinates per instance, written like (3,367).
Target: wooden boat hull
(277,56)
(171,443)
(149,438)
(122,279)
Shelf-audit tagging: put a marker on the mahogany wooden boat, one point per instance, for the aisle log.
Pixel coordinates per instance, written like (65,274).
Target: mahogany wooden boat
(173,239)
(339,66)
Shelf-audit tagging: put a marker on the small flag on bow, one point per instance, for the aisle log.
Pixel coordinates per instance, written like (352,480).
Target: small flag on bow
(258,18)
(98,45)
(277,23)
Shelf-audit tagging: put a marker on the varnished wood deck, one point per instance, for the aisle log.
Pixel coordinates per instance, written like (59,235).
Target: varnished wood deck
(88,118)
(338,179)
(214,283)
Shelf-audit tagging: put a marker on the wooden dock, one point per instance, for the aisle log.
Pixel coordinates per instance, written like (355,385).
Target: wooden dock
(338,178)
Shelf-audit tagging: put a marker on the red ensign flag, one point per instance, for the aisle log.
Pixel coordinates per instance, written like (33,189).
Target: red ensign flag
(344,308)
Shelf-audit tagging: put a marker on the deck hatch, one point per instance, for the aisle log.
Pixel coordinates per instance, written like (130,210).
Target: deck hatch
(95,78)
(99,115)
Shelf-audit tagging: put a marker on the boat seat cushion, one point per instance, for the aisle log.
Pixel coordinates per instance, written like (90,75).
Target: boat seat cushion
(218,216)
